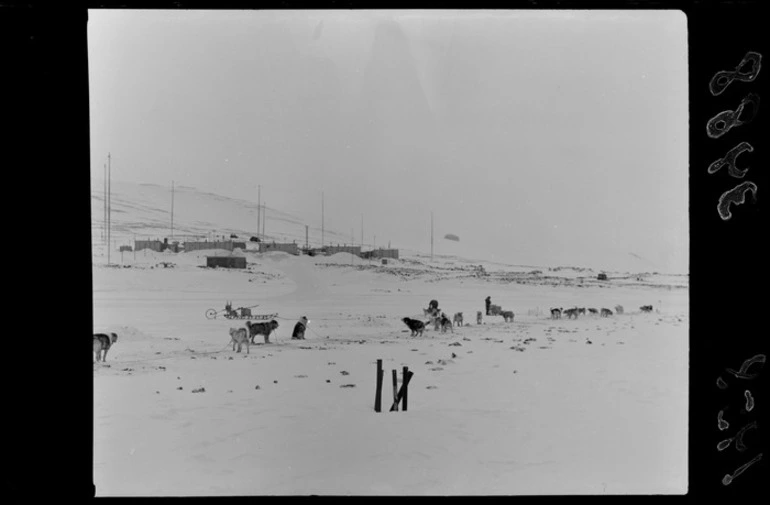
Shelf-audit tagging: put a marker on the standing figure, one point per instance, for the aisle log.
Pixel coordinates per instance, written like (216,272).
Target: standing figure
(488,302)
(478,317)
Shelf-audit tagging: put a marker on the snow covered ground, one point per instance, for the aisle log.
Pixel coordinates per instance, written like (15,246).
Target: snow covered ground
(537,406)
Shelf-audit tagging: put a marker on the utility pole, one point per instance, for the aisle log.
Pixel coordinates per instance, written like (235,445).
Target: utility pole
(104,214)
(172,210)
(307,246)
(264,216)
(109,204)
(431,236)
(322,219)
(362,231)
(259,207)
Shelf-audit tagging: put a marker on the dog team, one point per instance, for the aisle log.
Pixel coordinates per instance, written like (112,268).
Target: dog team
(238,336)
(441,322)
(556,313)
(437,318)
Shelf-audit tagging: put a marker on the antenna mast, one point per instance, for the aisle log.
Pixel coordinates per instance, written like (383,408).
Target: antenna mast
(104,213)
(431,236)
(322,219)
(109,204)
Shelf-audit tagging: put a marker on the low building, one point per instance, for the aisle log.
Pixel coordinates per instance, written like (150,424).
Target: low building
(226,261)
(347,249)
(153,245)
(381,253)
(291,248)
(227,245)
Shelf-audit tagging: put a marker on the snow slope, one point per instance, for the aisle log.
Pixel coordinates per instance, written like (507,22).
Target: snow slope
(537,406)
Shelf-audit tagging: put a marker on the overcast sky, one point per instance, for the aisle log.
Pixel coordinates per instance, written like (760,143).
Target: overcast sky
(537,137)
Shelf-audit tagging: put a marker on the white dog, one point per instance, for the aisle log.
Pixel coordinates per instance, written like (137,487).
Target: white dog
(240,336)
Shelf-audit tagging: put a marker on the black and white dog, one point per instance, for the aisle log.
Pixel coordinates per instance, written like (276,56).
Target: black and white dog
(299,329)
(261,329)
(415,325)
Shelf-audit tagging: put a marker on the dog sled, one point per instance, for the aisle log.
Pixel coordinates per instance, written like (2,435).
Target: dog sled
(239,313)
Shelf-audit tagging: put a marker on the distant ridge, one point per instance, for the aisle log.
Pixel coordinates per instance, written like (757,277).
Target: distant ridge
(142,211)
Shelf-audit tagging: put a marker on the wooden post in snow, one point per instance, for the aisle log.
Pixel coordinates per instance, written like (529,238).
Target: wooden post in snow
(404,372)
(395,390)
(378,392)
(408,377)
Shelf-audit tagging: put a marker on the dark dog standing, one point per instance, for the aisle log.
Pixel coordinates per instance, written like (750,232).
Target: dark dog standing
(444,323)
(261,329)
(417,327)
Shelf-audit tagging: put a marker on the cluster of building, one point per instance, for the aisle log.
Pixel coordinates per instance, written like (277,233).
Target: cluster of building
(158,246)
(240,262)
(354,250)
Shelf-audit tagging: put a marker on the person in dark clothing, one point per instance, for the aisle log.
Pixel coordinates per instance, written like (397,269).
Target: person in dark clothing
(433,305)
(488,302)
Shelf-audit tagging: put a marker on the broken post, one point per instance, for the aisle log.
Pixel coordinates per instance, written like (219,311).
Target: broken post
(378,393)
(402,391)
(403,381)
(395,389)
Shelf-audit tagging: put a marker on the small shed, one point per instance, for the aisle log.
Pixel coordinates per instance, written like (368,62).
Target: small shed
(602,277)
(226,261)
